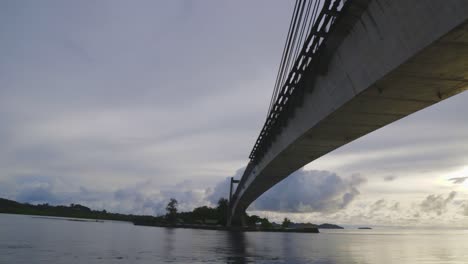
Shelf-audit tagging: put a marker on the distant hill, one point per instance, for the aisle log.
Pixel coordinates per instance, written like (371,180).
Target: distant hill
(73,210)
(329,226)
(201,215)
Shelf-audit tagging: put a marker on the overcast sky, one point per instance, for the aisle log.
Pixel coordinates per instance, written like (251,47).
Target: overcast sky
(124,104)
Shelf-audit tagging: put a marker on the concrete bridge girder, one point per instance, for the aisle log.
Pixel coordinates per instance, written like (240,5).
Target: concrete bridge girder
(397,58)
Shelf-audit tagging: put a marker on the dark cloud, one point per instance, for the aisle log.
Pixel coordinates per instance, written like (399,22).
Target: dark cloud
(131,193)
(458,180)
(383,207)
(48,189)
(464,207)
(378,205)
(436,203)
(33,189)
(87,195)
(140,198)
(310,191)
(395,206)
(137,199)
(36,195)
(389,178)
(187,199)
(221,189)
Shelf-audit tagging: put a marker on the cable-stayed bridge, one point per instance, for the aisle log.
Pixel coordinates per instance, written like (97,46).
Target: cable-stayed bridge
(350,67)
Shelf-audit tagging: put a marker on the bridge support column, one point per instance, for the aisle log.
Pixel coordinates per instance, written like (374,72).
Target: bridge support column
(237,219)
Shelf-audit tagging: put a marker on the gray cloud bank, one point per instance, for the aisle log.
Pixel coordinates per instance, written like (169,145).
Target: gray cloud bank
(304,196)
(303,191)
(311,191)
(437,203)
(458,180)
(134,91)
(146,197)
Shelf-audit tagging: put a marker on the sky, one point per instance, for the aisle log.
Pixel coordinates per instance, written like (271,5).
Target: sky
(121,105)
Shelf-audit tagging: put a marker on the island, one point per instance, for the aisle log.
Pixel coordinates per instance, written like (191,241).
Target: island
(329,226)
(364,228)
(204,217)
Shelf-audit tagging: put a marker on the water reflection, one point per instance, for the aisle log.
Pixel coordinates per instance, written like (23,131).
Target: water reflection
(36,241)
(169,237)
(237,247)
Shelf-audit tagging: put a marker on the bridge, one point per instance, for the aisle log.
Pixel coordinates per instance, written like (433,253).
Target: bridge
(350,67)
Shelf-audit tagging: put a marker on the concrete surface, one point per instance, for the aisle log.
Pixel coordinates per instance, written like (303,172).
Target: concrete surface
(398,58)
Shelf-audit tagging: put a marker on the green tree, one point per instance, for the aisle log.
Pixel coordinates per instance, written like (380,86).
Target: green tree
(286,223)
(265,223)
(253,220)
(171,211)
(204,212)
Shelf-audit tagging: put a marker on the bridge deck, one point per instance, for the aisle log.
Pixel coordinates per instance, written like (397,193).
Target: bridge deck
(380,73)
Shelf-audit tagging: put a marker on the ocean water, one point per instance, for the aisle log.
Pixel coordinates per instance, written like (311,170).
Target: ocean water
(28,239)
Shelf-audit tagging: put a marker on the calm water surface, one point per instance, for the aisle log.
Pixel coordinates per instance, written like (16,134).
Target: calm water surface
(26,239)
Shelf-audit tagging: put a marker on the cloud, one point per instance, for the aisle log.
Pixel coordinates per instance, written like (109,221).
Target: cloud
(458,180)
(145,197)
(221,189)
(40,194)
(389,178)
(464,207)
(395,206)
(310,191)
(33,189)
(110,101)
(379,204)
(436,203)
(148,198)
(314,191)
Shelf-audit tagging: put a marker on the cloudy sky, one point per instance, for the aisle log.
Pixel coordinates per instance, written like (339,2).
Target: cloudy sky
(122,105)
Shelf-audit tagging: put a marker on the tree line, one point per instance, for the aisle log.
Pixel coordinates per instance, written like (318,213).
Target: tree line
(203,215)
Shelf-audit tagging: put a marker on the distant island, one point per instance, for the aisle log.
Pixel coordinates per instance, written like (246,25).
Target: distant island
(329,226)
(364,227)
(203,217)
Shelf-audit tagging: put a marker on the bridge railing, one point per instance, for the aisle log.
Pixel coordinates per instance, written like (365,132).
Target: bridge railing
(289,89)
(289,93)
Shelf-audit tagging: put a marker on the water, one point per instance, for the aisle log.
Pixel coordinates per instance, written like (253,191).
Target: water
(26,239)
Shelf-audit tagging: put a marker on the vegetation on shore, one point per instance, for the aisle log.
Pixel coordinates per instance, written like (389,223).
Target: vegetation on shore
(200,217)
(73,211)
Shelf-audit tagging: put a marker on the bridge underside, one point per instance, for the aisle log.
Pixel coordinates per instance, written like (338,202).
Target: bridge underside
(402,56)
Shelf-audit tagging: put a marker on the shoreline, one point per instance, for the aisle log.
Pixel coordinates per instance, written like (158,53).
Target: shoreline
(237,229)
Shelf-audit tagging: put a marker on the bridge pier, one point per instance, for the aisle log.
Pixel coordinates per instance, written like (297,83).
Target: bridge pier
(237,218)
